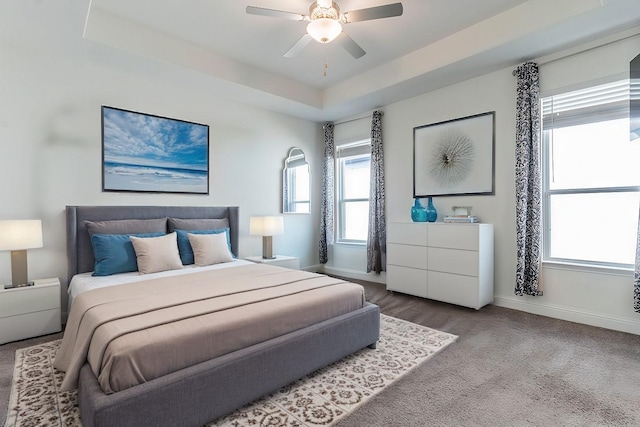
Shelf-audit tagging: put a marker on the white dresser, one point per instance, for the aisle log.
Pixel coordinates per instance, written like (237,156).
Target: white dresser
(441,261)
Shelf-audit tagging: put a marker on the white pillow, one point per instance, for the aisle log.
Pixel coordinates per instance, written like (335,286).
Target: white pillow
(157,253)
(210,249)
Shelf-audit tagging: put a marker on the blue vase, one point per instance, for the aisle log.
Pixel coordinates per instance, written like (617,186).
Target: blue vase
(418,213)
(430,211)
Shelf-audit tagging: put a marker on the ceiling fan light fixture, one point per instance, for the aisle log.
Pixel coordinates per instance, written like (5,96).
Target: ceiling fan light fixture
(324,30)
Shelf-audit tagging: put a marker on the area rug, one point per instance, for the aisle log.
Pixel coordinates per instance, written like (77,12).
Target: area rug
(319,399)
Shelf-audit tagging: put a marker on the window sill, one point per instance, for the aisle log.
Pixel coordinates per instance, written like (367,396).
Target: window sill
(351,244)
(587,268)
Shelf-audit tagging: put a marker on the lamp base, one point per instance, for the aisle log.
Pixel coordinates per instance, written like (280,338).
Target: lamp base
(19,268)
(267,247)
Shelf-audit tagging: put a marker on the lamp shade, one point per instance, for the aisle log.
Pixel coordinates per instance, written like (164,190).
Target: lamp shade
(17,235)
(324,30)
(266,225)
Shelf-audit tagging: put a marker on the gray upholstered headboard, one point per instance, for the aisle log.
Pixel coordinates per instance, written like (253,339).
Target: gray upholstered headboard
(79,250)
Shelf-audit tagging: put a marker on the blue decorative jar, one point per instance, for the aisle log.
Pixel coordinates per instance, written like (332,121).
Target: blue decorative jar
(430,211)
(418,213)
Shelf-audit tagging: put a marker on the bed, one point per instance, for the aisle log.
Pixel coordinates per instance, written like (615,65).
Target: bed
(202,392)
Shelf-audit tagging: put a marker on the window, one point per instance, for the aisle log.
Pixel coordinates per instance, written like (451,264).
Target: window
(590,177)
(353,163)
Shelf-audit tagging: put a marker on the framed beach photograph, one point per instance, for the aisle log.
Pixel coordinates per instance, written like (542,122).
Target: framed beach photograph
(454,157)
(153,154)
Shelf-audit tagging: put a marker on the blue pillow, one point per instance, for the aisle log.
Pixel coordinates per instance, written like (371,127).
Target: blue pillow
(186,252)
(114,253)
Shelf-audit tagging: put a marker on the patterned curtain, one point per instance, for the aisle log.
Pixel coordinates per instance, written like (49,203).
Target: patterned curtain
(377,237)
(636,276)
(326,204)
(528,180)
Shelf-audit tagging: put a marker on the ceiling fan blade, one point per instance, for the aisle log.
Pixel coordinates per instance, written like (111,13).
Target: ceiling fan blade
(300,44)
(253,10)
(386,11)
(350,46)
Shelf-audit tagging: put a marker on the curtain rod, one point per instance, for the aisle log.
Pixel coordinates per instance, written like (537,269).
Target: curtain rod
(368,115)
(569,55)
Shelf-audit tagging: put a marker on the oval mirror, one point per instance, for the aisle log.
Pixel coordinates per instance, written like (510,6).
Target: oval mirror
(296,183)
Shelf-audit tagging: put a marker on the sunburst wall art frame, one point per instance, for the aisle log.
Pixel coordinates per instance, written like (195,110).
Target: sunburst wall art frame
(454,157)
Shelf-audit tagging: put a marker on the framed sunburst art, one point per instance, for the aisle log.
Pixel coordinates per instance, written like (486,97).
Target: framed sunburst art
(454,157)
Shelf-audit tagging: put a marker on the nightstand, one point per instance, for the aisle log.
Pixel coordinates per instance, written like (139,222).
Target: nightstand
(30,311)
(280,260)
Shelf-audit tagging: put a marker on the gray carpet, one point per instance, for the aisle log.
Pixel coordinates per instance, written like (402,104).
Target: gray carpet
(507,368)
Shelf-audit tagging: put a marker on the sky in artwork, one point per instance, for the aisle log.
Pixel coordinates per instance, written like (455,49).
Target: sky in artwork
(140,139)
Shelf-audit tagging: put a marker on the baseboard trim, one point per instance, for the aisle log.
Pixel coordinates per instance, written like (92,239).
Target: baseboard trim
(355,274)
(572,315)
(313,268)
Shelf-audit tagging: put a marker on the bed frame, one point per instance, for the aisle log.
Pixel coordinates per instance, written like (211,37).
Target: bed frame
(196,395)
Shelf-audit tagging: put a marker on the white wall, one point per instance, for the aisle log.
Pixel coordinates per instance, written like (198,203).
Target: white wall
(600,298)
(52,84)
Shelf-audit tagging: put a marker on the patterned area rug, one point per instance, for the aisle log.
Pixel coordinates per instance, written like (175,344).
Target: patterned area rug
(319,399)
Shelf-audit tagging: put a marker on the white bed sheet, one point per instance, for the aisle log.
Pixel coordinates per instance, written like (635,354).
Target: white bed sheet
(85,281)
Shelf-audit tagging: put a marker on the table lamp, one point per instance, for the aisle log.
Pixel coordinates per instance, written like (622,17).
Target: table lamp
(266,226)
(17,236)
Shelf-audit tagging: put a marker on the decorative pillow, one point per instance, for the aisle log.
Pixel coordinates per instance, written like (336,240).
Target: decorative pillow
(210,249)
(114,253)
(127,226)
(157,253)
(186,252)
(197,224)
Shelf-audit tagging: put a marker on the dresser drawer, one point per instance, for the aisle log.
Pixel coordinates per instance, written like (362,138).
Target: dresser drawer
(454,289)
(409,233)
(407,280)
(453,261)
(407,255)
(453,236)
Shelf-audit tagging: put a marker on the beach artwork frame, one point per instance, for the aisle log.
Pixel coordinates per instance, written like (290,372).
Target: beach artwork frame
(153,154)
(454,157)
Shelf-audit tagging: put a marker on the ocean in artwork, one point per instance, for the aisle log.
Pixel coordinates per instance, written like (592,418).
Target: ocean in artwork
(147,153)
(129,177)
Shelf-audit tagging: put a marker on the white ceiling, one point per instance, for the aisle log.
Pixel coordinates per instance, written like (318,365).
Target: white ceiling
(433,44)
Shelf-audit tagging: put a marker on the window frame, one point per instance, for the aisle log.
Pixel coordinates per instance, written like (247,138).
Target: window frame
(361,147)
(608,114)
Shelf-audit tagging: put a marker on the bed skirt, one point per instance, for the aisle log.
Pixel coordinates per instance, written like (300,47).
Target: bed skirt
(201,393)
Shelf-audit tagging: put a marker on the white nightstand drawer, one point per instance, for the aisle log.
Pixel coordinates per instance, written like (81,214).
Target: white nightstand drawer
(29,299)
(29,325)
(280,260)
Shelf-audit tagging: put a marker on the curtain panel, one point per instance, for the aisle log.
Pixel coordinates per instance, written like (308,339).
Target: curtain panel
(377,235)
(636,275)
(528,180)
(327,201)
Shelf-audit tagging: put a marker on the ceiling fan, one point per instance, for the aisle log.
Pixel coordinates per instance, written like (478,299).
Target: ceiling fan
(325,23)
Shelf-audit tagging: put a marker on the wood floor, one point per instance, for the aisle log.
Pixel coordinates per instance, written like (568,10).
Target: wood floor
(507,368)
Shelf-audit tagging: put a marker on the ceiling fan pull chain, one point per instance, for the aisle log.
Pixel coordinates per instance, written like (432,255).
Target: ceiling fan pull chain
(324,56)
